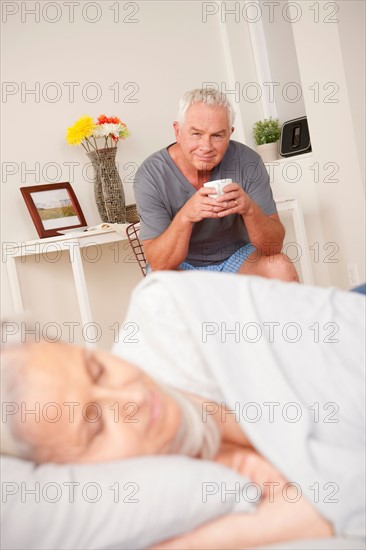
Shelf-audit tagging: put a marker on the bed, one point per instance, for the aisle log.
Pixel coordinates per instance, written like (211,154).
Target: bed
(138,502)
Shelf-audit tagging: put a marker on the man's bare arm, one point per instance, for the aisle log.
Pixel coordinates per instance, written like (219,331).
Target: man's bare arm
(171,247)
(266,233)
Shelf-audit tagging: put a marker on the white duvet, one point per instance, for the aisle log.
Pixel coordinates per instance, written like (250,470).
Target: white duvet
(287,359)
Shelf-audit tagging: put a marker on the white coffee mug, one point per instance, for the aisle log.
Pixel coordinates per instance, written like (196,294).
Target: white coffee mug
(218,185)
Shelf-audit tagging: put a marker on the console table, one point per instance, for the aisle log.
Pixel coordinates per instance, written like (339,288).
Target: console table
(72,242)
(75,241)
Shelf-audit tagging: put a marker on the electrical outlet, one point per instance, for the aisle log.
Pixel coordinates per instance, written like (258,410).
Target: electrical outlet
(353,274)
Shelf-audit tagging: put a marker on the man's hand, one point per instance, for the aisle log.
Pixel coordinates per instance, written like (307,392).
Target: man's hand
(234,201)
(266,232)
(201,206)
(171,247)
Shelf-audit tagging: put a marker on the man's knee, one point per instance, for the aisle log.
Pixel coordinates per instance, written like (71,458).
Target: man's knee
(280,267)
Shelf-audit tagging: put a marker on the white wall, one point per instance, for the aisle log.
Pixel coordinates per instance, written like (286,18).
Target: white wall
(166,51)
(329,65)
(293,177)
(287,88)
(352,18)
(236,40)
(289,178)
(340,190)
(154,59)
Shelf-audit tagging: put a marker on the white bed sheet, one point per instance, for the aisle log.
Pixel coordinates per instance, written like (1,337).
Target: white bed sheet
(334,543)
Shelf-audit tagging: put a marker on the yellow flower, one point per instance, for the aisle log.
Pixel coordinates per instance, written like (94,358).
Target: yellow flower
(82,129)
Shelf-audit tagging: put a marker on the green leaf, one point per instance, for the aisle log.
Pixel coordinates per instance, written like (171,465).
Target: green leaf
(266,131)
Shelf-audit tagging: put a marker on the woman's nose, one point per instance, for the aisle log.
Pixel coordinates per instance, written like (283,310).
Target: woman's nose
(125,401)
(125,394)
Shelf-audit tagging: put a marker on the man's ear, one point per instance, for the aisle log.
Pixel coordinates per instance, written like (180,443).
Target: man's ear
(176,131)
(232,129)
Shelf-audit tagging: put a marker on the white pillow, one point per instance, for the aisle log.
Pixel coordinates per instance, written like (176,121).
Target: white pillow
(131,504)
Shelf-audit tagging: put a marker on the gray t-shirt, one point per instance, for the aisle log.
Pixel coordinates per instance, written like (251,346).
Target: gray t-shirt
(161,190)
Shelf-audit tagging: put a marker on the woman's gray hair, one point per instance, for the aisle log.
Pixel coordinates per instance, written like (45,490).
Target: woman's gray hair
(195,437)
(14,355)
(208,96)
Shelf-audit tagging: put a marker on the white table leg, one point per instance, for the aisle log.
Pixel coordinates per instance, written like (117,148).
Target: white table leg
(15,293)
(82,294)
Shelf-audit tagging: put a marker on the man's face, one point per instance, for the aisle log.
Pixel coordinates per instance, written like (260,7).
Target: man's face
(92,407)
(204,136)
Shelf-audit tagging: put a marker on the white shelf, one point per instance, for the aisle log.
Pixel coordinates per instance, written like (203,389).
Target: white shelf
(295,158)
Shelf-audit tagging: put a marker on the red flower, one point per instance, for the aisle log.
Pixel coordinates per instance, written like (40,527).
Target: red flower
(102,119)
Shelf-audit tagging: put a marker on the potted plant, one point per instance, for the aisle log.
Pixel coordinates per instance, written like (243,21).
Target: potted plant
(266,134)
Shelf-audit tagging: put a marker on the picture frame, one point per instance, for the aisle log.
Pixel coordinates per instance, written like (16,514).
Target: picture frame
(53,207)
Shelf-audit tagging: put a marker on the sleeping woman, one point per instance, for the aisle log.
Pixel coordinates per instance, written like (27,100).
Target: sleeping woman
(262,376)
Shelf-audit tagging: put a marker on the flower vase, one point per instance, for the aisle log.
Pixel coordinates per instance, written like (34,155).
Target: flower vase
(108,189)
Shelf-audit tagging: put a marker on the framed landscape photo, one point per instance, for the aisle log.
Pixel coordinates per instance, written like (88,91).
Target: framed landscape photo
(53,207)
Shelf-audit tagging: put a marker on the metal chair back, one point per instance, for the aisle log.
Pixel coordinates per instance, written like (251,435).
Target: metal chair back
(133,232)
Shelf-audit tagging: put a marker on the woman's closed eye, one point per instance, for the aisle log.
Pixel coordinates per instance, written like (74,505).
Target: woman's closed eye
(94,367)
(92,413)
(93,420)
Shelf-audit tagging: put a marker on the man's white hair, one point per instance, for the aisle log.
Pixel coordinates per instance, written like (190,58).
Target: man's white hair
(208,96)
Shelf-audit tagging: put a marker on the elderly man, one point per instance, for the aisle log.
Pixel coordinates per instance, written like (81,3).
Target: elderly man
(182,225)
